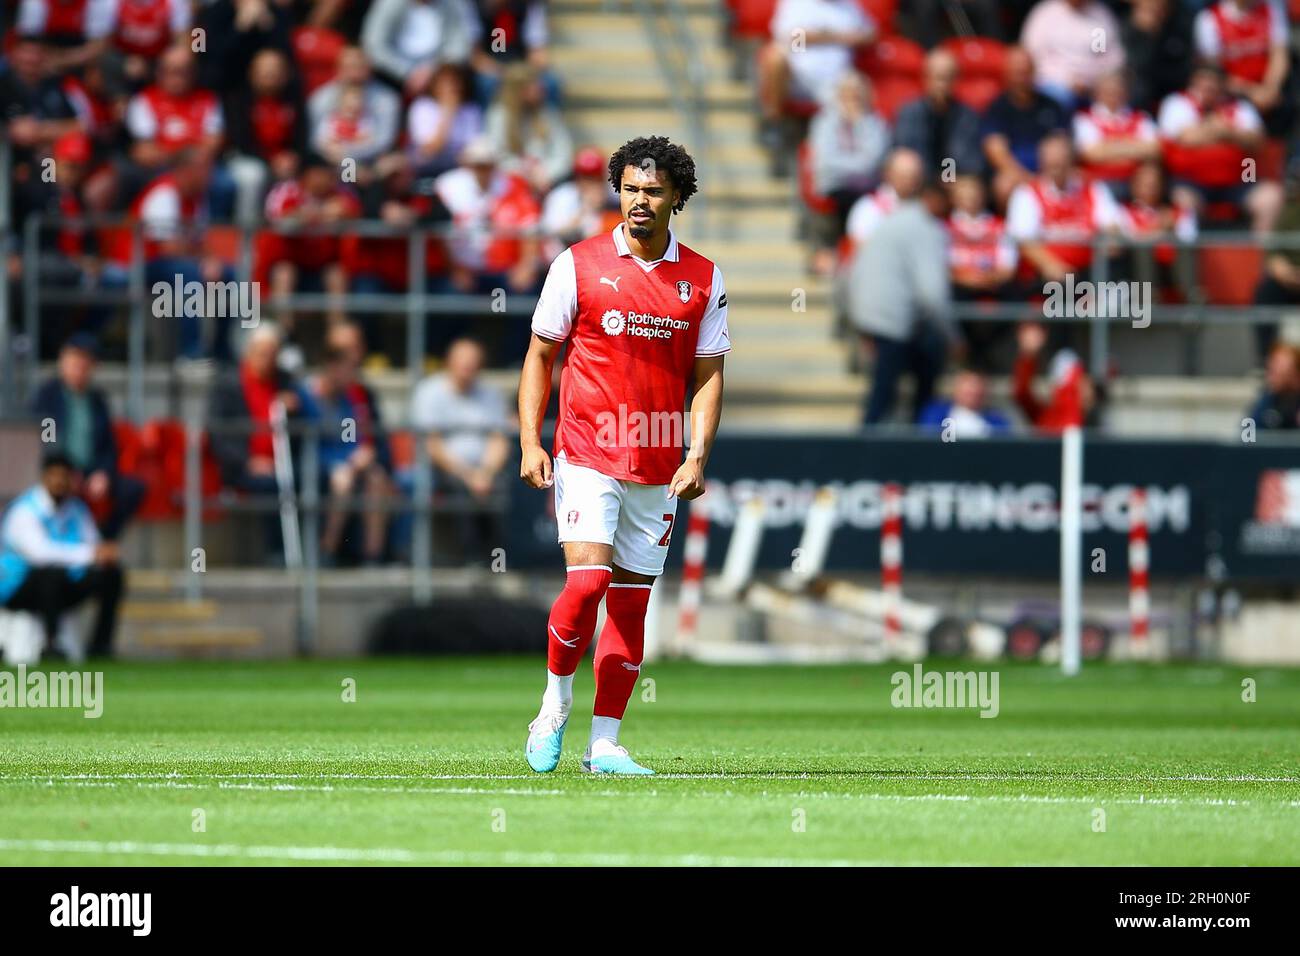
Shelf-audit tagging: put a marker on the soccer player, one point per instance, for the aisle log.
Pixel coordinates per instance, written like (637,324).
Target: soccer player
(644,320)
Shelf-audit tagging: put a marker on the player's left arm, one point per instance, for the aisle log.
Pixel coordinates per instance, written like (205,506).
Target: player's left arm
(706,413)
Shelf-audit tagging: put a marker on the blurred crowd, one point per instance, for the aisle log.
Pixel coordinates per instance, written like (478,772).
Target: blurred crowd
(1013,139)
(304,114)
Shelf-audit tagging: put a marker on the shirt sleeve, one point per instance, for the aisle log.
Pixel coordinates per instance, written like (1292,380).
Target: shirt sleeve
(161,214)
(1086,132)
(1106,210)
(101,17)
(1176,114)
(1246,118)
(1277,24)
(715,338)
(140,121)
(1024,217)
(557,306)
(1206,36)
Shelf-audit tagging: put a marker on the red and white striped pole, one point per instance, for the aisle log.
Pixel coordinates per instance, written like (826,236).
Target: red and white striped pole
(1139,554)
(891,558)
(693,555)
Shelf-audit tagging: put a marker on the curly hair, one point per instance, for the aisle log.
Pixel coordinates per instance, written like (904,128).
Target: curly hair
(656,152)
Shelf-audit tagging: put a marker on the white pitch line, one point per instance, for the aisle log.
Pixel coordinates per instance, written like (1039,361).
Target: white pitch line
(396,855)
(1031,777)
(1023,798)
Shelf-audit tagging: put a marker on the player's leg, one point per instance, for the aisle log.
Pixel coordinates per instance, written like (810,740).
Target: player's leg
(586,508)
(640,548)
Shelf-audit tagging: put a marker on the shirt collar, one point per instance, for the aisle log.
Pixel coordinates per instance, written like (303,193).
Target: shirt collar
(671,254)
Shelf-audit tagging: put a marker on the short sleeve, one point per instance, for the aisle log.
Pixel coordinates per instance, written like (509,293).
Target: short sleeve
(557,306)
(1024,217)
(715,338)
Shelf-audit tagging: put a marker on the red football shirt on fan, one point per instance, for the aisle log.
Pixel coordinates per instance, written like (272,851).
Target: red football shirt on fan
(146,27)
(1211,164)
(634,330)
(173,121)
(1239,37)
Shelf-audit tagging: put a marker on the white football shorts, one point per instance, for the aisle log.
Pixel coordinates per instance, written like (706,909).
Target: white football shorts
(636,519)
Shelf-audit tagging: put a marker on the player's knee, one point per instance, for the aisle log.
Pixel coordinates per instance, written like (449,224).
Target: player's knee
(587,585)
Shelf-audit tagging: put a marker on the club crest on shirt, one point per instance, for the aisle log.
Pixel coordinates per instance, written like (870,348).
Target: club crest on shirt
(572,518)
(684,291)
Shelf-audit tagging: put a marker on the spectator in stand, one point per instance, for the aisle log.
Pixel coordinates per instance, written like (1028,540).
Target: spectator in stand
(1111,138)
(1056,216)
(904,172)
(52,560)
(1278,405)
(1015,123)
(1250,40)
(528,131)
(465,421)
(487,205)
(1073,43)
(172,115)
(1158,49)
(441,123)
(268,129)
(235,30)
(382,110)
(581,207)
(898,300)
(83,433)
(929,22)
(407,40)
(303,259)
(813,43)
(1149,214)
(244,397)
(143,29)
(982,262)
(509,32)
(33,106)
(77,33)
(354,457)
(847,141)
(1075,398)
(173,212)
(1208,137)
(1280,283)
(936,125)
(966,414)
(347,136)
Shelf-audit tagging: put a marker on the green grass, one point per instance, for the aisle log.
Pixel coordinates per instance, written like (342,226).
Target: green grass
(426,767)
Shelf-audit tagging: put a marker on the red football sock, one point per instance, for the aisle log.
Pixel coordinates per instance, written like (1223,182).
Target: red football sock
(573,617)
(620,648)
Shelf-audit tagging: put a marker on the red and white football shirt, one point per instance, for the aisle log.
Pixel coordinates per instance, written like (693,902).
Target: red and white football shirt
(173,121)
(634,330)
(1098,125)
(1064,220)
(1239,37)
(1211,164)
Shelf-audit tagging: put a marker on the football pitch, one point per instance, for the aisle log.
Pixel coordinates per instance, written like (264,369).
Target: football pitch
(214,763)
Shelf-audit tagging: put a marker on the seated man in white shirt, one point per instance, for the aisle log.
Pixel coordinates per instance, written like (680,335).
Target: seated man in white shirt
(52,559)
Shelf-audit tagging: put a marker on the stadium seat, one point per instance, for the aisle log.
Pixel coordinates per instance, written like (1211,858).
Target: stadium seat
(894,67)
(1228,274)
(223,243)
(980,63)
(816,202)
(751,19)
(316,51)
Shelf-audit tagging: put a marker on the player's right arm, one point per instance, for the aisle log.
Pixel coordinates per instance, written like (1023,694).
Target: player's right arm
(557,307)
(534,393)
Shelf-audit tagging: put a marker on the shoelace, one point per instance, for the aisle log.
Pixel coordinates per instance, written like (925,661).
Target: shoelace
(547,723)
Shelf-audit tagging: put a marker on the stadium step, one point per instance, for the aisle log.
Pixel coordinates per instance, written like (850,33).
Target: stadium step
(168,611)
(196,639)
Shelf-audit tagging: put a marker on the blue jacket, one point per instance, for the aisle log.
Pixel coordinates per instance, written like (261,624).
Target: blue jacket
(50,402)
(34,534)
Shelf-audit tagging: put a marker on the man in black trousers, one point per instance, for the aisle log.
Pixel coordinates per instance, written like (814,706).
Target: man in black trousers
(52,557)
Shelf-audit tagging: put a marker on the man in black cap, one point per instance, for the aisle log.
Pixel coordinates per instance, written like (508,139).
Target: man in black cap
(75,421)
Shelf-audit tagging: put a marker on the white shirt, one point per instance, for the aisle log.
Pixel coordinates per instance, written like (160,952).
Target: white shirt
(464,420)
(817,65)
(24,533)
(557,306)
